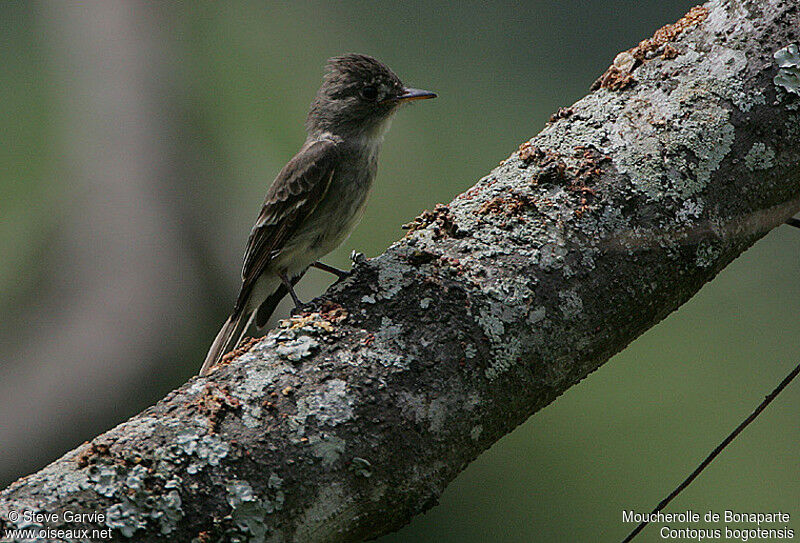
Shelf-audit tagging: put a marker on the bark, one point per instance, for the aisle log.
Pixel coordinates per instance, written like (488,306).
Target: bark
(352,417)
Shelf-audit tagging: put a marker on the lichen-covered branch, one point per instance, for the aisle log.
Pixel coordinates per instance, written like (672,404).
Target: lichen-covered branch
(351,418)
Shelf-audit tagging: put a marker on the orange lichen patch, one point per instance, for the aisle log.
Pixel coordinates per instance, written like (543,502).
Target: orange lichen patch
(451,262)
(440,217)
(470,194)
(669,52)
(588,167)
(582,189)
(324,319)
(91,451)
(510,206)
(562,113)
(618,75)
(333,312)
(213,403)
(494,206)
(585,197)
(529,152)
(551,167)
(553,170)
(309,319)
(244,346)
(614,79)
(668,33)
(101,449)
(585,172)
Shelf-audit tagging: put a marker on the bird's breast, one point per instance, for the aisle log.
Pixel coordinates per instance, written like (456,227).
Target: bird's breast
(340,209)
(345,201)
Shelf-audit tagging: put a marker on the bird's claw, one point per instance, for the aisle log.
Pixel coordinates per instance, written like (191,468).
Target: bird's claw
(341,274)
(357,258)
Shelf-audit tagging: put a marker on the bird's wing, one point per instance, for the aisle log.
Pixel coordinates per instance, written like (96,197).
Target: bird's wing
(294,194)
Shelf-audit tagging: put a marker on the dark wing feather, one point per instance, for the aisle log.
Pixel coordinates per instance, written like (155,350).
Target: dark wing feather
(293,195)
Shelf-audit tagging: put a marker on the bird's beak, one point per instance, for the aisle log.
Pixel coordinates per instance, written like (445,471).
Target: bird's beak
(415,94)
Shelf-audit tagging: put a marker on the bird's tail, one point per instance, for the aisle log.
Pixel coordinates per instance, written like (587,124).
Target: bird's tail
(267,307)
(227,339)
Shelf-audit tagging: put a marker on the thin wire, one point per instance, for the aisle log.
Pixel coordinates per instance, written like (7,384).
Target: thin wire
(771,396)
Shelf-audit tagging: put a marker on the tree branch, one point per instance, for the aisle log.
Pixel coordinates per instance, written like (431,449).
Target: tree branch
(349,420)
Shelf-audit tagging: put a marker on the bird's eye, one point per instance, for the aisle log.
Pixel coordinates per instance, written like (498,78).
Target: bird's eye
(369,92)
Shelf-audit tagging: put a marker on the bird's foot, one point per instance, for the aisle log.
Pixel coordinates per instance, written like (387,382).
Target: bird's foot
(357,258)
(341,274)
(302,308)
(290,287)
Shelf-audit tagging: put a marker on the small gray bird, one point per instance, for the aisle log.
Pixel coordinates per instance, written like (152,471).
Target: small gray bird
(319,196)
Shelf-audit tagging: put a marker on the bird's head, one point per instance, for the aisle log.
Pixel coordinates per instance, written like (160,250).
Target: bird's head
(358,96)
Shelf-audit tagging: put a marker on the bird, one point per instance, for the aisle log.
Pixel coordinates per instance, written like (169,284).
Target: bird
(319,196)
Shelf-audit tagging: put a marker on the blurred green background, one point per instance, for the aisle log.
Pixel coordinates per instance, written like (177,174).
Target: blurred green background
(139,140)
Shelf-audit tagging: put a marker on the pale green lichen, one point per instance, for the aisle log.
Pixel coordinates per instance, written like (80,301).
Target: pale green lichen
(388,329)
(297,349)
(670,139)
(390,279)
(690,210)
(438,411)
(470,351)
(274,481)
(248,511)
(209,449)
(167,511)
(65,482)
(476,432)
(571,303)
(259,378)
(746,101)
(251,416)
(329,405)
(131,515)
(136,477)
(104,478)
(327,448)
(505,356)
(537,314)
(512,293)
(706,254)
(788,61)
(760,157)
(125,517)
(491,323)
(361,467)
(138,505)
